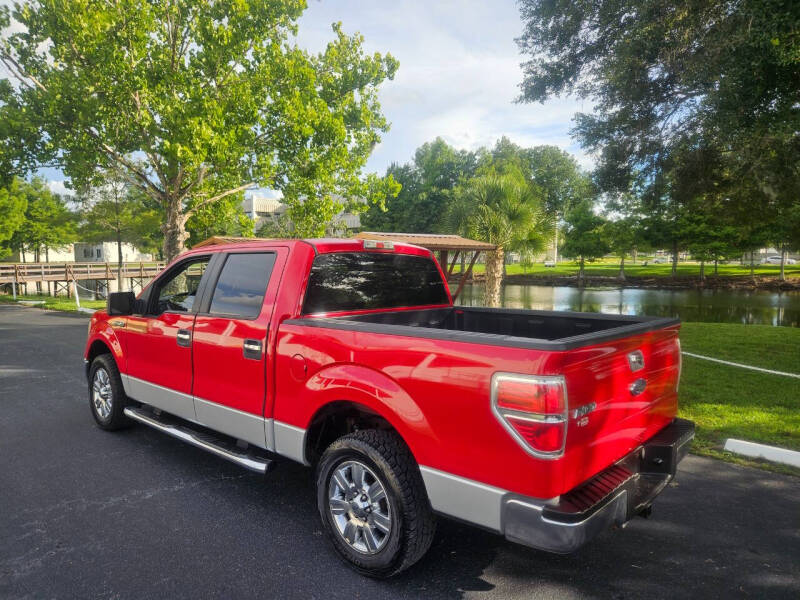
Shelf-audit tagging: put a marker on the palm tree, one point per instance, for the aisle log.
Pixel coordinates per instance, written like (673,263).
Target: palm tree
(501,210)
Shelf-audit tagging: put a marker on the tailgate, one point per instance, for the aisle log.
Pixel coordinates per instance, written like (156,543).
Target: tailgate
(619,393)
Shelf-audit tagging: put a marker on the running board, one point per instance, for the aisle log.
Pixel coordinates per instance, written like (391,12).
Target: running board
(210,442)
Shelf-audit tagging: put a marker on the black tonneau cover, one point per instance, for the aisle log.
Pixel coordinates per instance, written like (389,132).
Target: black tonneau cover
(534,329)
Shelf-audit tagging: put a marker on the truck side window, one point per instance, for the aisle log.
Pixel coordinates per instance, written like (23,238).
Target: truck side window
(241,285)
(178,292)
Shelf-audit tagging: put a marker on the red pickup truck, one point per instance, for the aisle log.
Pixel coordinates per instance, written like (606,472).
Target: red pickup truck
(349,356)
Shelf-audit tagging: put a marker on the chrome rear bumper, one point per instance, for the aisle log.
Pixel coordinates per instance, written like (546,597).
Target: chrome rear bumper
(611,497)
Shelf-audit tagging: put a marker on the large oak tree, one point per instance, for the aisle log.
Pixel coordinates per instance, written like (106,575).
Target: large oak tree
(192,101)
(672,80)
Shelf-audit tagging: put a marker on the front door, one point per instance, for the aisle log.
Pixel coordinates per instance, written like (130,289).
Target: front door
(159,343)
(230,345)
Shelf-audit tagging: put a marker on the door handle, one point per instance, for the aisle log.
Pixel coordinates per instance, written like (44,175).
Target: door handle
(184,338)
(252,349)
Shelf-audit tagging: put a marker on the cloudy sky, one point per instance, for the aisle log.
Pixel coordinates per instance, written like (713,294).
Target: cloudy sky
(458,78)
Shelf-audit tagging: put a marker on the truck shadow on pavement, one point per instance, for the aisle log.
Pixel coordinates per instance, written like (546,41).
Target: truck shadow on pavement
(703,540)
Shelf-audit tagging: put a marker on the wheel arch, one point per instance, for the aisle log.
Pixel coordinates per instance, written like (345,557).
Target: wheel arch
(339,418)
(104,341)
(359,397)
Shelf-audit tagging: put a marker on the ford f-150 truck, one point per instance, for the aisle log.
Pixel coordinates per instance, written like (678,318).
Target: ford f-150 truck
(349,356)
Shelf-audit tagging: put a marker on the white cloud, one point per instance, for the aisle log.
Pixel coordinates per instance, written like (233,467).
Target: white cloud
(59,186)
(458,78)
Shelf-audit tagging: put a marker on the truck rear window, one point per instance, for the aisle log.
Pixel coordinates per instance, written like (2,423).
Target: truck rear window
(368,280)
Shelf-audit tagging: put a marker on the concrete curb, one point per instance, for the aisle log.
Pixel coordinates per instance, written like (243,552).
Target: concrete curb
(770,453)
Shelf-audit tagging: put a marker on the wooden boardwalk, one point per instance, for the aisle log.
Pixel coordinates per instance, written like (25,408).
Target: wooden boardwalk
(65,273)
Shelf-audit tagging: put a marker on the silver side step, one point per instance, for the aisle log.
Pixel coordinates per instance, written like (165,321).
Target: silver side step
(246,460)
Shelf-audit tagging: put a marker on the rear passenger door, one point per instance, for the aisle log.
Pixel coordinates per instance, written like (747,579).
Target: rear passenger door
(229,345)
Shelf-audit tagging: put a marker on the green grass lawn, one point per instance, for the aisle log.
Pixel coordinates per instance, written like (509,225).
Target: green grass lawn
(610,268)
(726,401)
(62,303)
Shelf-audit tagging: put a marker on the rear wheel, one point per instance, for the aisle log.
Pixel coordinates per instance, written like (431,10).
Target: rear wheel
(107,398)
(373,504)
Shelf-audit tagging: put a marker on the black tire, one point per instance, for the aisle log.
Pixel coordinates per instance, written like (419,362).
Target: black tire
(115,417)
(412,521)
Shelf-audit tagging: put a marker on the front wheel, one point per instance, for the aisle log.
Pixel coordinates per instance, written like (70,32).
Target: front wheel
(373,504)
(107,397)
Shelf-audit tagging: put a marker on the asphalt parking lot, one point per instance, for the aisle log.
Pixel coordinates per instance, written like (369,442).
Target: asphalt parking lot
(136,514)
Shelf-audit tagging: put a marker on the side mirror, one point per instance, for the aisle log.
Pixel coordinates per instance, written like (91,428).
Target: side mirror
(120,303)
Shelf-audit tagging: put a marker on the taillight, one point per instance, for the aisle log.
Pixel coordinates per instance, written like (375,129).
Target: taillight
(534,410)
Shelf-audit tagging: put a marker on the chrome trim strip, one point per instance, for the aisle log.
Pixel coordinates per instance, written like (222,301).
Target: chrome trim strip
(247,462)
(176,403)
(230,421)
(290,441)
(464,499)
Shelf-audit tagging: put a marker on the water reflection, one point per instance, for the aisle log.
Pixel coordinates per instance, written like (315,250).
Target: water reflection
(718,306)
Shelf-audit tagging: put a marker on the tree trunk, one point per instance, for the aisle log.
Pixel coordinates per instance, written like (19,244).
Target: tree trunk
(47,260)
(752,264)
(494,277)
(37,257)
(555,246)
(622,267)
(119,261)
(702,271)
(716,263)
(174,229)
(581,273)
(675,258)
(783,264)
(634,253)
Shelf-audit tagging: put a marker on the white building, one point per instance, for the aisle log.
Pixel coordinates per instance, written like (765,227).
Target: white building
(63,254)
(82,252)
(107,252)
(262,207)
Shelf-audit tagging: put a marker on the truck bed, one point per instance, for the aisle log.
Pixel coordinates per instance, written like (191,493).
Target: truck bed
(534,329)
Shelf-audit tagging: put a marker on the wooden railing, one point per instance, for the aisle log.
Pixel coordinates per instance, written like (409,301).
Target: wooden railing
(33,272)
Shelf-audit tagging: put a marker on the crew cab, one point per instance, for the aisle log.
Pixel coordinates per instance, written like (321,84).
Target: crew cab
(349,356)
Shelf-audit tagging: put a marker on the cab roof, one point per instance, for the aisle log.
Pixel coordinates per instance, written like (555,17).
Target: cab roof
(320,245)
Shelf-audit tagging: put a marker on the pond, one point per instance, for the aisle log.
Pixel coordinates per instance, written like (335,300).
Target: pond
(716,306)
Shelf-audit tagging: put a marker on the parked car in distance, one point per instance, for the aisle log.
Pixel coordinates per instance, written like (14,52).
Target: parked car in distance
(349,356)
(549,263)
(660,260)
(776,260)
